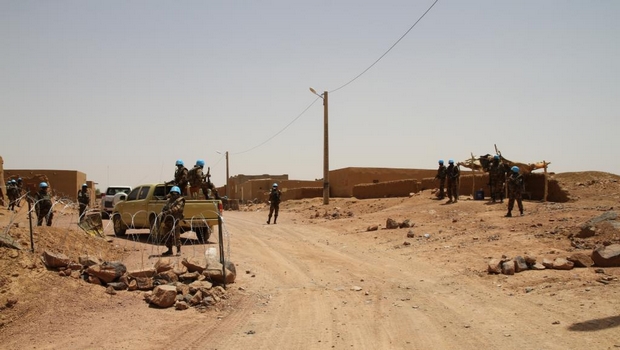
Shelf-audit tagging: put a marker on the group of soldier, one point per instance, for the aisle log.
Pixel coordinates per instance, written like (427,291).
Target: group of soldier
(502,178)
(195,178)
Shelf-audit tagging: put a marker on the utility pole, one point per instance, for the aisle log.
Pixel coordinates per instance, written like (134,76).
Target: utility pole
(325,151)
(227,177)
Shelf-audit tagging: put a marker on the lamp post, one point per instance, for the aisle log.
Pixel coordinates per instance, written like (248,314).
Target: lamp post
(325,147)
(226,188)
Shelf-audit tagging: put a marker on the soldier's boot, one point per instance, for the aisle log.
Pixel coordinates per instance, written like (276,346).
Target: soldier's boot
(167,252)
(509,214)
(268,220)
(521,211)
(275,218)
(449,200)
(178,250)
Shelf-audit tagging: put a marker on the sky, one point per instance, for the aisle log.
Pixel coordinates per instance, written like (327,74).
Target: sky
(120,90)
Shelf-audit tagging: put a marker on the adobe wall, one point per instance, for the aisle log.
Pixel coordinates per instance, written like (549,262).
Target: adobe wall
(259,189)
(342,181)
(237,181)
(302,192)
(398,188)
(63,183)
(2,182)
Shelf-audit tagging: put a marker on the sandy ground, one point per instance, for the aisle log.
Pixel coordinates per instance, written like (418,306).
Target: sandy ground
(320,280)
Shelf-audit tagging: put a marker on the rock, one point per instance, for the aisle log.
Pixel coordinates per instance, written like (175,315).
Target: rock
(74,266)
(89,260)
(181,305)
(144,283)
(10,302)
(196,299)
(494,266)
(530,260)
(406,243)
(520,264)
(391,224)
(193,265)
(607,256)
(356,288)
(180,269)
(427,235)
(55,260)
(410,234)
(143,273)
(164,296)
(203,286)
(183,289)
(110,290)
(405,224)
(147,296)
(588,229)
(508,267)
(94,280)
(372,228)
(562,264)
(169,276)
(580,260)
(189,277)
(108,271)
(163,264)
(214,274)
(133,285)
(538,266)
(118,285)
(547,263)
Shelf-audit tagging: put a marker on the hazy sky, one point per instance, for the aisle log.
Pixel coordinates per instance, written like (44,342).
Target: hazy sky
(122,89)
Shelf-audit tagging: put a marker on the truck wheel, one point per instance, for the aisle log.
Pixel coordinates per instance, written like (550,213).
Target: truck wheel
(203,234)
(120,229)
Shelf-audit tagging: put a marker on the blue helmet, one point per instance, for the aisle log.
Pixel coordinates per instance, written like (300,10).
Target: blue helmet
(441,162)
(274,185)
(515,169)
(13,181)
(19,180)
(84,185)
(200,162)
(451,161)
(496,157)
(43,185)
(179,162)
(175,189)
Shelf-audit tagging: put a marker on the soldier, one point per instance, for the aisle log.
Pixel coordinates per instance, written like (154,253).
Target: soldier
(43,205)
(515,191)
(208,189)
(453,173)
(180,177)
(195,178)
(497,179)
(274,203)
(84,200)
(20,190)
(12,192)
(441,176)
(170,217)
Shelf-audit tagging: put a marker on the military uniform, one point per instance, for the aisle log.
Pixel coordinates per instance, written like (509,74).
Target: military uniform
(171,215)
(274,207)
(441,176)
(180,179)
(453,174)
(515,192)
(84,200)
(497,179)
(13,193)
(195,178)
(43,207)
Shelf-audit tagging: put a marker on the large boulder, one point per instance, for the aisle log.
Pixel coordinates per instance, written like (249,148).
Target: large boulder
(562,264)
(193,264)
(142,273)
(163,264)
(580,260)
(608,256)
(588,229)
(55,260)
(108,271)
(164,296)
(520,264)
(89,260)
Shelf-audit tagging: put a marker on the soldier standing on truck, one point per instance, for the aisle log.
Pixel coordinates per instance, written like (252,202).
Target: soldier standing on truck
(84,200)
(274,203)
(195,178)
(170,217)
(180,177)
(208,189)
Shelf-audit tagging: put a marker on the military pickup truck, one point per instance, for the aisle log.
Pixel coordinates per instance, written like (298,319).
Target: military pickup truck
(140,208)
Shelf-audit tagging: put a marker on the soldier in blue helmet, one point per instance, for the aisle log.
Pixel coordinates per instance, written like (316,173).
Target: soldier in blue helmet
(497,179)
(43,205)
(170,217)
(441,177)
(275,197)
(13,193)
(515,190)
(195,177)
(83,198)
(453,173)
(181,175)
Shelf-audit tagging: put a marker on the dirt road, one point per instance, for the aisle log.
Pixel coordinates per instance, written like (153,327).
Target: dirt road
(311,286)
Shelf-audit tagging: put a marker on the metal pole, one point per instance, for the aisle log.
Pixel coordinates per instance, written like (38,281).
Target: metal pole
(325,151)
(221,246)
(30,223)
(226,191)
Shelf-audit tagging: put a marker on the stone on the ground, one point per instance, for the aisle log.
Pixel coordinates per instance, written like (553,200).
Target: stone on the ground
(580,260)
(196,299)
(89,260)
(55,260)
(118,285)
(530,260)
(405,224)
(608,256)
(143,273)
(520,264)
(547,263)
(180,269)
(181,305)
(372,228)
(508,267)
(189,277)
(94,280)
(410,234)
(164,296)
(163,264)
(538,266)
(110,290)
(562,264)
(391,224)
(169,276)
(108,271)
(203,286)
(194,264)
(494,266)
(144,283)
(182,288)
(588,229)
(133,285)
(214,273)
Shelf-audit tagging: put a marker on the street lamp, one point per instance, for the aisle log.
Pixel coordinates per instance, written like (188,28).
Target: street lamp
(226,188)
(325,147)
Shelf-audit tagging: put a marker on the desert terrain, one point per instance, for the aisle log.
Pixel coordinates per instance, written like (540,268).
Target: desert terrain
(320,279)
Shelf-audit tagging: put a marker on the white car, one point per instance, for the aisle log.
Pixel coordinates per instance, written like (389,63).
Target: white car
(111,196)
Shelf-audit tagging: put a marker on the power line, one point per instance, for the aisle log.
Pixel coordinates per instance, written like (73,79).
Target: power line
(390,49)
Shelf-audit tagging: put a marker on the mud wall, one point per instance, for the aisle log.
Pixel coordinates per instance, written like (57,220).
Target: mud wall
(63,183)
(236,189)
(343,180)
(302,192)
(259,189)
(398,188)
(2,182)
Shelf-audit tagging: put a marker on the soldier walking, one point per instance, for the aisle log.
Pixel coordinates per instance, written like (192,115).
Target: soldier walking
(84,200)
(170,218)
(43,205)
(453,174)
(441,176)
(274,203)
(12,193)
(515,191)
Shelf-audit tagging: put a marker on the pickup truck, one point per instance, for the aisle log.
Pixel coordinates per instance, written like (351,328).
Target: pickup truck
(111,196)
(140,208)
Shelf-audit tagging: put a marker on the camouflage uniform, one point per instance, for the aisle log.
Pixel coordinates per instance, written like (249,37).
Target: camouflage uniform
(274,207)
(441,176)
(515,191)
(84,200)
(43,207)
(195,178)
(13,193)
(180,179)
(453,173)
(171,216)
(497,178)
